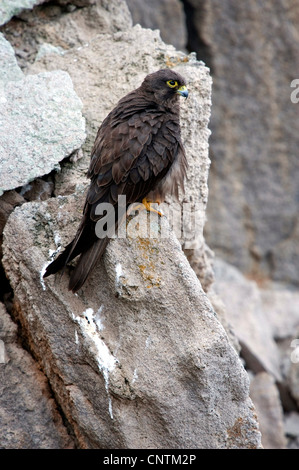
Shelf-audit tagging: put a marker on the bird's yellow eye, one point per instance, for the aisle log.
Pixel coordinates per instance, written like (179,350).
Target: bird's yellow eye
(172,83)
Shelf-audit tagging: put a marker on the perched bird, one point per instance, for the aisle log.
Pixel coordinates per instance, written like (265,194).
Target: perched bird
(137,153)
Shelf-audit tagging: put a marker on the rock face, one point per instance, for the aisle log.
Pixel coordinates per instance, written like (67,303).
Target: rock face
(87,72)
(29,418)
(166,16)
(253,203)
(121,371)
(64,26)
(50,122)
(132,365)
(269,411)
(265,322)
(252,214)
(252,327)
(253,200)
(9,8)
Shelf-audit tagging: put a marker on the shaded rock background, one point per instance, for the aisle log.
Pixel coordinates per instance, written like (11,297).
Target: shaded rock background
(253,206)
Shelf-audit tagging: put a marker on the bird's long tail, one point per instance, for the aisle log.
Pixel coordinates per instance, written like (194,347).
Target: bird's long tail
(86,263)
(61,261)
(88,246)
(84,237)
(89,257)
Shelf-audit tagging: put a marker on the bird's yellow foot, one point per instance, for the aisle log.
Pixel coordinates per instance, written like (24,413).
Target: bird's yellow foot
(147,205)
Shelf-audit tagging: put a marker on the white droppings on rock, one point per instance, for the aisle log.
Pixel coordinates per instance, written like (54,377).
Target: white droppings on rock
(41,275)
(135,376)
(76,337)
(110,408)
(118,272)
(148,342)
(118,275)
(106,361)
(57,239)
(52,254)
(98,319)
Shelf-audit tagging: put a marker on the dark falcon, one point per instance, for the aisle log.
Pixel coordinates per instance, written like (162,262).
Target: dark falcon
(138,153)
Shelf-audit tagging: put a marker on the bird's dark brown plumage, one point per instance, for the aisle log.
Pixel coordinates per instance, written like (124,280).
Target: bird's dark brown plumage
(137,153)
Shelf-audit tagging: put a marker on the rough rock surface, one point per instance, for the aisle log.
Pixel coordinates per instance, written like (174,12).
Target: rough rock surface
(253,211)
(64,26)
(142,52)
(267,402)
(9,70)
(50,123)
(123,372)
(130,364)
(166,16)
(245,313)
(281,307)
(28,415)
(9,8)
(265,322)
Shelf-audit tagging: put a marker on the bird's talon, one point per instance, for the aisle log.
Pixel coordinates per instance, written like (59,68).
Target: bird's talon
(147,205)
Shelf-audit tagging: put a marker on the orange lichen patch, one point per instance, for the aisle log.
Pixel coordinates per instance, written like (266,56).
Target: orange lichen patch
(238,432)
(148,269)
(173,61)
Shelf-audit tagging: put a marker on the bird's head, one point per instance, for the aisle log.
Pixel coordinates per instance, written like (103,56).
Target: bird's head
(165,86)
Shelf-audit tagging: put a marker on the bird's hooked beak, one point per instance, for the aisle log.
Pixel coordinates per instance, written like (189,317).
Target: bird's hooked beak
(183,91)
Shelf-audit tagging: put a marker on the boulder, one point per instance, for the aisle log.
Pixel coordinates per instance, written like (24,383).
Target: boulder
(280,304)
(63,25)
(9,8)
(265,396)
(29,416)
(131,364)
(253,209)
(50,123)
(143,52)
(166,16)
(244,310)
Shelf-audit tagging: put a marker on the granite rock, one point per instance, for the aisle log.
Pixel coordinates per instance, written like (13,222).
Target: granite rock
(9,8)
(50,125)
(266,399)
(244,310)
(131,365)
(29,416)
